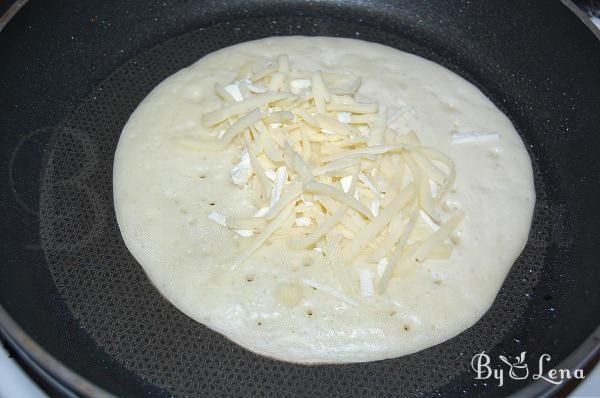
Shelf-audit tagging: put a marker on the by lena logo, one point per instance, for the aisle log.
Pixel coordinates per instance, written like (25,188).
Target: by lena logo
(518,369)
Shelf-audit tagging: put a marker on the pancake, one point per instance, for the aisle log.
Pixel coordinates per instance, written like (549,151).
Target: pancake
(323,200)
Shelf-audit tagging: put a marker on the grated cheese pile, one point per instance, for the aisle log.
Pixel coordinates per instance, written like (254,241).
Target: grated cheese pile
(323,167)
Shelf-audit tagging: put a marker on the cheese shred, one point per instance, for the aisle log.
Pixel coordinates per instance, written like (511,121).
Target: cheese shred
(329,173)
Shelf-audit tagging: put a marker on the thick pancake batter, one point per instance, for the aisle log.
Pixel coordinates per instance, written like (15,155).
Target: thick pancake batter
(173,199)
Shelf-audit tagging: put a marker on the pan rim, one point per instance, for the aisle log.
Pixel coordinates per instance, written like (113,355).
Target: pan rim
(70,383)
(11,12)
(51,369)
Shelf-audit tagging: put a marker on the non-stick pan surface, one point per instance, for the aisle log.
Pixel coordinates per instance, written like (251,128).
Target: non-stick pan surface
(72,73)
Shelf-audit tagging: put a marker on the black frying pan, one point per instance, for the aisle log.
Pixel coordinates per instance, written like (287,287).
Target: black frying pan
(71,72)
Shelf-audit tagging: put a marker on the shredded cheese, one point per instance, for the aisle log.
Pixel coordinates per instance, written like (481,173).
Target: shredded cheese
(271,174)
(438,237)
(329,174)
(276,81)
(322,229)
(463,138)
(362,119)
(329,290)
(246,233)
(352,108)
(369,183)
(440,157)
(280,178)
(241,172)
(265,234)
(381,265)
(215,117)
(303,221)
(346,183)
(323,189)
(297,85)
(364,152)
(307,117)
(367,287)
(224,94)
(265,72)
(344,117)
(218,218)
(320,93)
(389,269)
(334,126)
(380,222)
(375,207)
(258,169)
(428,220)
(378,129)
(239,126)
(254,88)
(288,197)
(234,91)
(335,166)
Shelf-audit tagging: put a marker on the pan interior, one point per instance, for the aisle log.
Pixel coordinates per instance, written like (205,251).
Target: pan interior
(116,305)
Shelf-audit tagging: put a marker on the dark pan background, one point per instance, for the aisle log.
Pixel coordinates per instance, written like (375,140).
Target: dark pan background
(71,73)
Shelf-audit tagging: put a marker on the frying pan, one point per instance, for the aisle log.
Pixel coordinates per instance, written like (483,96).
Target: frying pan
(78,309)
